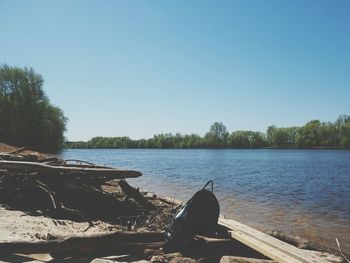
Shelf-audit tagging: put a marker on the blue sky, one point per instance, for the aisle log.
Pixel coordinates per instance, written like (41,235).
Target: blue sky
(138,68)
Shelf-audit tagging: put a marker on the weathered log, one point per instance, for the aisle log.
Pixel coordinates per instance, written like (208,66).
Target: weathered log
(72,196)
(172,257)
(80,162)
(95,172)
(17,150)
(15,157)
(149,253)
(233,259)
(116,248)
(135,194)
(52,160)
(51,194)
(118,242)
(87,192)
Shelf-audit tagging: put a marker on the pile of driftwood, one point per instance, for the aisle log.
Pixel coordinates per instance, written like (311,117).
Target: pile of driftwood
(77,190)
(81,191)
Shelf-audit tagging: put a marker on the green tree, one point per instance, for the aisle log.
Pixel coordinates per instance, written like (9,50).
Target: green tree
(217,135)
(280,137)
(257,140)
(26,116)
(270,134)
(239,139)
(247,139)
(343,126)
(309,135)
(329,135)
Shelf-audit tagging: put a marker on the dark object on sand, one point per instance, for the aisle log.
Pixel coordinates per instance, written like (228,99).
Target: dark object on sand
(198,216)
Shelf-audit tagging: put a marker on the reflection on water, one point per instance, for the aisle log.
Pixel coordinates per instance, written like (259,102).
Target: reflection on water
(303,191)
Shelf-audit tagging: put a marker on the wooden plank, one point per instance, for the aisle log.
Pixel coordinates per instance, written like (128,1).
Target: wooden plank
(34,167)
(265,249)
(268,245)
(111,242)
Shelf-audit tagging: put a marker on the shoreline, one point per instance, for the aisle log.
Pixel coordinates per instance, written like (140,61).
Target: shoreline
(240,183)
(47,235)
(20,226)
(268,219)
(220,148)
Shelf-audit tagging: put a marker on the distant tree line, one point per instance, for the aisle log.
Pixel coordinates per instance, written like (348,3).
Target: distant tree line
(312,135)
(27,118)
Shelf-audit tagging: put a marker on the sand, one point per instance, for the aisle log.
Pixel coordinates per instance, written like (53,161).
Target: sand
(17,225)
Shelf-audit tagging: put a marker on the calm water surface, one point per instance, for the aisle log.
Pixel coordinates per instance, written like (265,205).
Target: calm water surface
(303,191)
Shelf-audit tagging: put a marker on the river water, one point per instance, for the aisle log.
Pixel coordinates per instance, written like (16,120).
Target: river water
(306,192)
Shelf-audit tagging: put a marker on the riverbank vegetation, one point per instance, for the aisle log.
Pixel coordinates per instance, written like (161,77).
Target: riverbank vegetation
(314,134)
(27,118)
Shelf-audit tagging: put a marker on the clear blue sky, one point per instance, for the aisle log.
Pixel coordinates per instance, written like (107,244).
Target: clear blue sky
(138,68)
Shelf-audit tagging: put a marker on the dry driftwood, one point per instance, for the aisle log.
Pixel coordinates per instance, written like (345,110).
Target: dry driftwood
(35,167)
(304,244)
(327,256)
(135,194)
(17,151)
(233,259)
(119,242)
(70,191)
(172,258)
(289,238)
(15,157)
(80,192)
